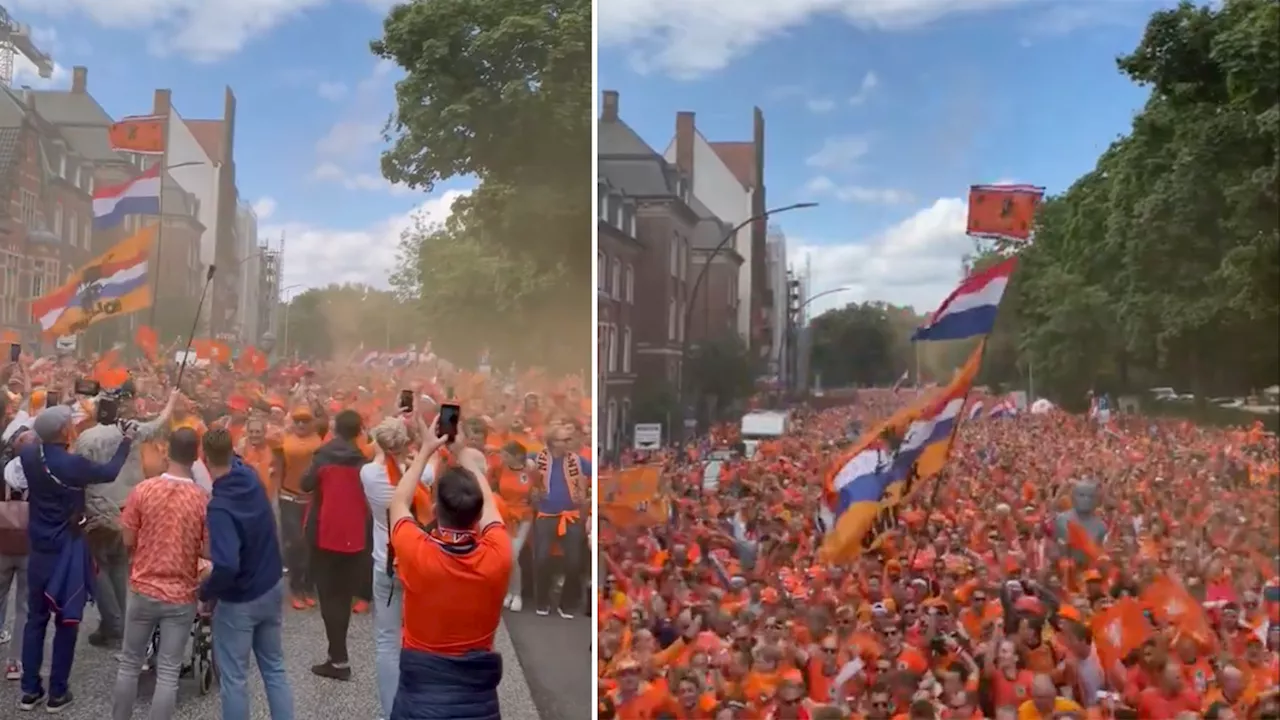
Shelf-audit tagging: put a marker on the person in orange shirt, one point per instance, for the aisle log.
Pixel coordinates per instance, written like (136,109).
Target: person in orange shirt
(455,574)
(291,460)
(512,480)
(256,452)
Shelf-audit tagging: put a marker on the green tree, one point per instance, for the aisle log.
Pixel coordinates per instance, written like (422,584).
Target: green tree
(340,321)
(1162,265)
(500,91)
(862,344)
(722,375)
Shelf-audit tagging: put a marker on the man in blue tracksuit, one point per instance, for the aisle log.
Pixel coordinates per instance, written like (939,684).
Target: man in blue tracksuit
(59,569)
(562,501)
(246,583)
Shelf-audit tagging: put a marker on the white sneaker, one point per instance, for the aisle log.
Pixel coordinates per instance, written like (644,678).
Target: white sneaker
(5,637)
(565,615)
(506,602)
(517,603)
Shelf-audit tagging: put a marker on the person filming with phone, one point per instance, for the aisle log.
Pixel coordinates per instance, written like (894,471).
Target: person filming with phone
(454,573)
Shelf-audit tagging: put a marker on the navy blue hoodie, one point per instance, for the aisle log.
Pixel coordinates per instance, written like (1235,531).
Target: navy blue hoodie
(243,544)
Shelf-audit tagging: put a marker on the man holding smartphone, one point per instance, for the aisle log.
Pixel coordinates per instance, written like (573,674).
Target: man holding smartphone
(454,573)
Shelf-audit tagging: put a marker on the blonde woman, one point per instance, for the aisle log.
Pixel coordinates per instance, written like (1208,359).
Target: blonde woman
(391,460)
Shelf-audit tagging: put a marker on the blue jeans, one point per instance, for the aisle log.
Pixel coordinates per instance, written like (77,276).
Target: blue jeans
(40,567)
(388,606)
(241,628)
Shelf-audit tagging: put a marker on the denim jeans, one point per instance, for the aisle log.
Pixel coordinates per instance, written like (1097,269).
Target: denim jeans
(293,542)
(144,614)
(518,537)
(251,627)
(388,606)
(13,569)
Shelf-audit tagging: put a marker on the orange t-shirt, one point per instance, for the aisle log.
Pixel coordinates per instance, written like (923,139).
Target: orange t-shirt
(514,487)
(465,618)
(259,457)
(298,452)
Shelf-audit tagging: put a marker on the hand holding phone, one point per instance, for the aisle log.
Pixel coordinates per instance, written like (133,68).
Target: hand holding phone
(450,418)
(406,401)
(15,352)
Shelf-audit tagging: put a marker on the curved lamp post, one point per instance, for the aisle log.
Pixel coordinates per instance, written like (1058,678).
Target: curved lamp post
(793,332)
(697,284)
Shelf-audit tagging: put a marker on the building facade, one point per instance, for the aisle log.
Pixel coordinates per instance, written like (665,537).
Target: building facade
(728,177)
(250,254)
(665,222)
(616,258)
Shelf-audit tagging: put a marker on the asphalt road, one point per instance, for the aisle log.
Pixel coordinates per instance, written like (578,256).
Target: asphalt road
(558,662)
(94,673)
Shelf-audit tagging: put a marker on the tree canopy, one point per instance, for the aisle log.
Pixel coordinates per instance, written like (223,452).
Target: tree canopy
(498,91)
(1161,266)
(338,321)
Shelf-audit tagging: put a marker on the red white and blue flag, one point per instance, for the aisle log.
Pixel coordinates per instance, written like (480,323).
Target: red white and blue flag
(139,196)
(970,310)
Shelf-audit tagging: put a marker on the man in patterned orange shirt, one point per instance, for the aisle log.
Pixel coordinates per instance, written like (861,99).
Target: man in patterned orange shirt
(163,523)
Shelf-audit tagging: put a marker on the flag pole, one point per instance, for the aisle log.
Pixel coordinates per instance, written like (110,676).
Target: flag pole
(159,244)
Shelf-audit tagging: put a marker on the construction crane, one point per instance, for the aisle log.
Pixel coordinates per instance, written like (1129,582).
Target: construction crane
(15,38)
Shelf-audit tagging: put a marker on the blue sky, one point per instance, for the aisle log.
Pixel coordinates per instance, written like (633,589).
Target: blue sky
(883,111)
(311,103)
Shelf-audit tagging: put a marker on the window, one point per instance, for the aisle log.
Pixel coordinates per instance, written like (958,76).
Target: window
(611,422)
(73,229)
(28,208)
(613,348)
(683,267)
(57,222)
(626,349)
(88,182)
(86,231)
(631,224)
(37,278)
(671,319)
(630,290)
(78,177)
(615,280)
(10,272)
(602,200)
(601,272)
(675,255)
(680,321)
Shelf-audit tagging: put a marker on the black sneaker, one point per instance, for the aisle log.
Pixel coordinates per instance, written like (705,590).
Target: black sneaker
(104,639)
(31,701)
(327,669)
(58,704)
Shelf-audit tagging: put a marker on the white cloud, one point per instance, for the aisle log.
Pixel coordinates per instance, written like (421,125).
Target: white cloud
(26,73)
(198,29)
(330,172)
(332,90)
(870,82)
(688,38)
(349,138)
(264,208)
(839,153)
(823,185)
(915,262)
(317,256)
(820,105)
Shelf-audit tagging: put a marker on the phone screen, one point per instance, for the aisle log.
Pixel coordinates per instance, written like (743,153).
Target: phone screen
(15,352)
(406,400)
(450,415)
(85,386)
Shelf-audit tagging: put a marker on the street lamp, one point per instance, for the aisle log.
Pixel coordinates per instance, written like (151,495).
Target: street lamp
(155,283)
(702,274)
(792,333)
(284,341)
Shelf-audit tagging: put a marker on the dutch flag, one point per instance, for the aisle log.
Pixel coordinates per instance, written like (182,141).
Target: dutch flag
(970,310)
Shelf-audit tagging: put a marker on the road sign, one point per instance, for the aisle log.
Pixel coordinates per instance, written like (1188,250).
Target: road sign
(648,436)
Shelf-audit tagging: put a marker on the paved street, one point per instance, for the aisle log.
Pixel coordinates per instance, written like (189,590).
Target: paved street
(314,697)
(558,662)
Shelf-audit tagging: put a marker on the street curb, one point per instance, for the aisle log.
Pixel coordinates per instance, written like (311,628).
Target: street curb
(513,692)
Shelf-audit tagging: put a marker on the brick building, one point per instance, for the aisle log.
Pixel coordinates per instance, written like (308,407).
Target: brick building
(617,256)
(46,219)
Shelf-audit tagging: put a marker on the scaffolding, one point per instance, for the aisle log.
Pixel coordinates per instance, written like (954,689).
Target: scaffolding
(15,39)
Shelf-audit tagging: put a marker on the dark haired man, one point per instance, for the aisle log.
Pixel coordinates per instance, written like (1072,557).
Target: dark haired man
(163,527)
(246,581)
(338,532)
(455,576)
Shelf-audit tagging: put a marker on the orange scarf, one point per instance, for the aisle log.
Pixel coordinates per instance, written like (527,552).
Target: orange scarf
(423,505)
(573,475)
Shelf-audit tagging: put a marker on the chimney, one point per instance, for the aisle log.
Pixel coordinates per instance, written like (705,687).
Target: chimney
(79,79)
(758,139)
(162,102)
(684,144)
(609,111)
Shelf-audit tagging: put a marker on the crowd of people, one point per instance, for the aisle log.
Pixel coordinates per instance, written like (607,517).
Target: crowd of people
(222,496)
(1055,569)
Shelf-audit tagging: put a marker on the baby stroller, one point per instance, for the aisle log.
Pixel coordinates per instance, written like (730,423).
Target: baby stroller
(199,660)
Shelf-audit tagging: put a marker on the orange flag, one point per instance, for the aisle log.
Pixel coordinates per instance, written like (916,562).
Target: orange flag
(147,341)
(1171,604)
(252,362)
(1120,630)
(632,497)
(1078,539)
(107,371)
